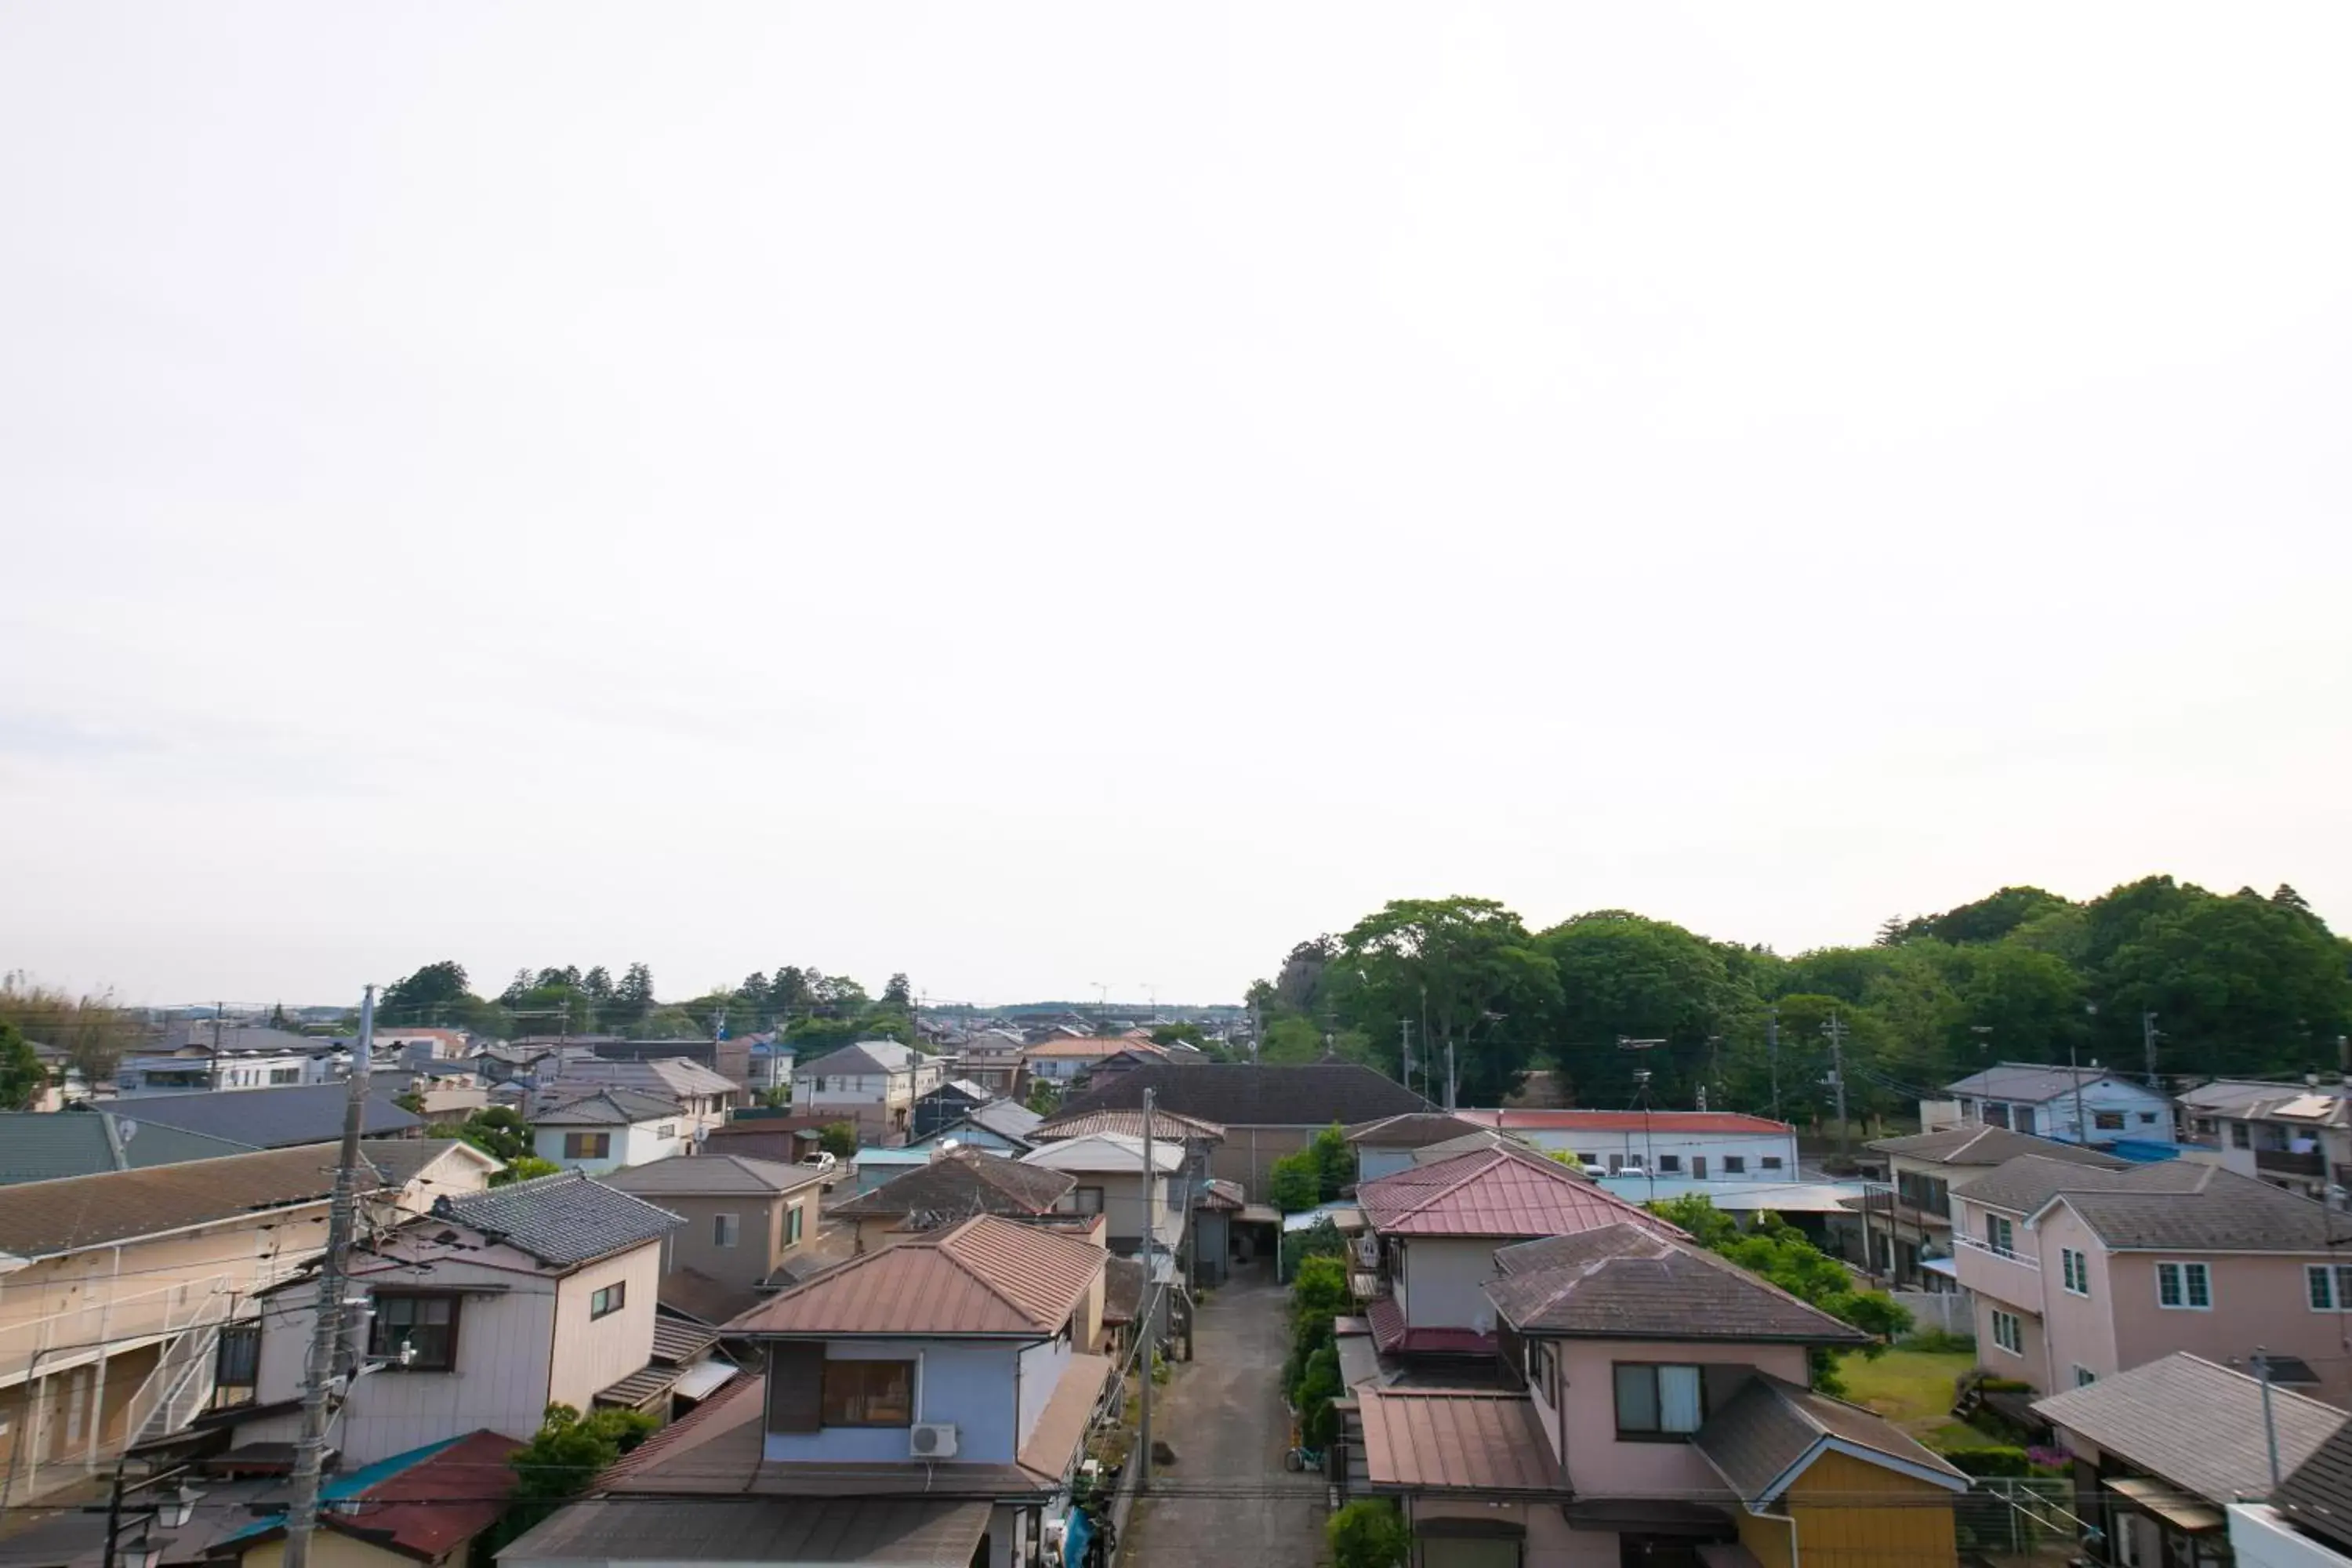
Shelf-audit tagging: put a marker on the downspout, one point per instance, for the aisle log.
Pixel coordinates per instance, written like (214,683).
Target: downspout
(1795,1557)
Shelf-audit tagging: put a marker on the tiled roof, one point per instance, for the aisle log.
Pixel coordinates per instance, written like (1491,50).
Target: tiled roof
(1413,1130)
(1627,1281)
(1495,1193)
(425,1503)
(1766,1434)
(1095,1046)
(1006,1120)
(1470,1143)
(674,1078)
(268,1117)
(605,1107)
(2317,1495)
(42,1146)
(1105,1152)
(563,1219)
(2196,1424)
(1123,1280)
(1978,1144)
(964,1182)
(985,1276)
(2184,1204)
(1241,1094)
(2031,1082)
(1433,1439)
(1659,1124)
(400,1161)
(1227,1196)
(39,1218)
(704,1299)
(1166,1125)
(893,1533)
(1393,1336)
(875,1056)
(715,1175)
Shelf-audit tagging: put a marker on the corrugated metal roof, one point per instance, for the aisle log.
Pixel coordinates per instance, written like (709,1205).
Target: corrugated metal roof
(1495,1193)
(1659,1124)
(2195,1423)
(44,1146)
(798,1532)
(39,1218)
(986,1275)
(1455,1440)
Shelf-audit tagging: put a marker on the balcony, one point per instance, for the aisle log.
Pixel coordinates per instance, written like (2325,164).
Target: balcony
(1987,1249)
(2285,1162)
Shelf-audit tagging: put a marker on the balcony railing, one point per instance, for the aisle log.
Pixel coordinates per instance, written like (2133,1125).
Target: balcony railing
(2007,1254)
(2286,1163)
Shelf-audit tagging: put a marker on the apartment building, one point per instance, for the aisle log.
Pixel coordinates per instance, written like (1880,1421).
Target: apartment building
(1922,1169)
(2080,1273)
(2296,1136)
(1702,1145)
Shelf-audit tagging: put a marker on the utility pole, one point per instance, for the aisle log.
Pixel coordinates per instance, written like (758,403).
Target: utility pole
(2147,1043)
(2082,1122)
(2270,1423)
(1449,1073)
(1404,1033)
(1772,1054)
(1835,1030)
(1151,1297)
(327,1338)
(219,1008)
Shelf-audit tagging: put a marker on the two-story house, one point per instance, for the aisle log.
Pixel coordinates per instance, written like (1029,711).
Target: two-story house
(128,1296)
(606,1129)
(744,1218)
(1387,1144)
(1703,1145)
(2091,1104)
(1433,1228)
(873,1084)
(2306,1521)
(704,1098)
(2080,1273)
(1064,1060)
(273,1118)
(482,1312)
(1142,1206)
(2296,1136)
(1923,1169)
(1656,1410)
(952,1188)
(926,1404)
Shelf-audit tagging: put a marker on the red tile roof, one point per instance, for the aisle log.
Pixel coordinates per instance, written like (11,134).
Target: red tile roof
(1494,1191)
(986,1275)
(1435,1439)
(1663,1123)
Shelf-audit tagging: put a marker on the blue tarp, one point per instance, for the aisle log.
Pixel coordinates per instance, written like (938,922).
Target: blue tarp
(1074,1542)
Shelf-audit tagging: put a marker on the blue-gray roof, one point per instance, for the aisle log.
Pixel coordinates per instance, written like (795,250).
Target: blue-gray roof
(267,1118)
(564,1219)
(40,1146)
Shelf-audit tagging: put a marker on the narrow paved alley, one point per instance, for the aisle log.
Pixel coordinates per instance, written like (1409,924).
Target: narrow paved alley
(1227,1499)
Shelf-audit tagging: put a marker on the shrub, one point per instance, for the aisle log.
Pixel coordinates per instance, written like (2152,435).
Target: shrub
(838,1139)
(1368,1533)
(1322,1239)
(1294,1184)
(1318,1423)
(1940,1341)
(1991,1460)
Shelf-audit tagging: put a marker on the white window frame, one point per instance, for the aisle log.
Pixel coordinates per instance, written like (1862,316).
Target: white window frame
(2337,1278)
(726,1229)
(2016,1331)
(2179,1269)
(2076,1268)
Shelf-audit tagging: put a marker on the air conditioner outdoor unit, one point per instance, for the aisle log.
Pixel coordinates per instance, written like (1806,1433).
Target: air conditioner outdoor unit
(932,1440)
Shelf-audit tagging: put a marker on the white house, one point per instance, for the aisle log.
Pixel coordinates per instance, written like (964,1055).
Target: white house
(1704,1145)
(609,1128)
(483,1312)
(873,1083)
(2054,1102)
(1108,1167)
(190,1069)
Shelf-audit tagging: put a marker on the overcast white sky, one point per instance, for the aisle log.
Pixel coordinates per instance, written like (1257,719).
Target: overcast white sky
(1040,495)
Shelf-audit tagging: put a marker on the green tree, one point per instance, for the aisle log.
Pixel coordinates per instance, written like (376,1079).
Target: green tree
(1295,1182)
(1289,1040)
(1178,1034)
(568,1452)
(525,1168)
(23,1079)
(1467,966)
(1044,1097)
(898,994)
(2238,984)
(495,1130)
(1988,919)
(1334,1160)
(1622,976)
(1565,1157)
(1368,1533)
(838,1139)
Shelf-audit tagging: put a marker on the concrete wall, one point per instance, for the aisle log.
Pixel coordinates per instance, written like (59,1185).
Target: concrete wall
(638,1144)
(1248,1153)
(1440,1281)
(1042,1366)
(968,1382)
(1686,1148)
(2262,1540)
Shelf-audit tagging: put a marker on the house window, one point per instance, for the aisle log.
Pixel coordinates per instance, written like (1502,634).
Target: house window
(2001,1236)
(237,1365)
(1670,1164)
(587,1145)
(870,1392)
(2329,1286)
(725,1230)
(2107,1121)
(1655,1401)
(2085,1377)
(609,1300)
(2008,1332)
(2186,1286)
(2147,1119)
(1587,1161)
(1995,1114)
(1770,1161)
(1086,1200)
(285,1075)
(2077,1268)
(1616,1163)
(424,1327)
(2023,1121)
(2240,1135)
(792,1226)
(666,1130)
(1735,1165)
(2206,1126)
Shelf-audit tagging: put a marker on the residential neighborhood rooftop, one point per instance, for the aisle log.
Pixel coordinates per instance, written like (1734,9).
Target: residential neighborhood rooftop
(2031,1082)
(1249,1094)
(42,1146)
(714,1175)
(1663,1124)
(400,1161)
(38,1219)
(605,1107)
(876,1057)
(565,1219)
(268,1117)
(1497,1192)
(1630,1282)
(2196,1423)
(1105,1152)
(2174,1204)
(1449,1439)
(1768,1433)
(2318,1494)
(1979,1143)
(1166,1125)
(960,1184)
(985,1275)
(1412,1129)
(891,1532)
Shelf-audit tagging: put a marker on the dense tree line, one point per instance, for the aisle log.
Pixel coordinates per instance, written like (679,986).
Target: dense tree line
(2237,983)
(809,1007)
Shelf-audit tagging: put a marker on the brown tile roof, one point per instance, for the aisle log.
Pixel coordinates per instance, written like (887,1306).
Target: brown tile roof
(1093,1045)
(1495,1193)
(960,1185)
(1165,1124)
(41,1218)
(1765,1434)
(2175,1205)
(1123,1282)
(1455,1440)
(1226,1196)
(1980,1146)
(906,1533)
(704,1299)
(1628,1281)
(714,1175)
(2195,1423)
(985,1276)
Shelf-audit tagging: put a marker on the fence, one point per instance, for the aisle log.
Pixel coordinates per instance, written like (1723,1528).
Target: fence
(2018,1515)
(1947,1309)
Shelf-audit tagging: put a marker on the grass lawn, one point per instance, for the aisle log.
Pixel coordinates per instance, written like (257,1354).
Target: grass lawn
(1913,1390)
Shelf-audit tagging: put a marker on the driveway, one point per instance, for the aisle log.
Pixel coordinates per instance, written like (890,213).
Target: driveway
(1227,1497)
